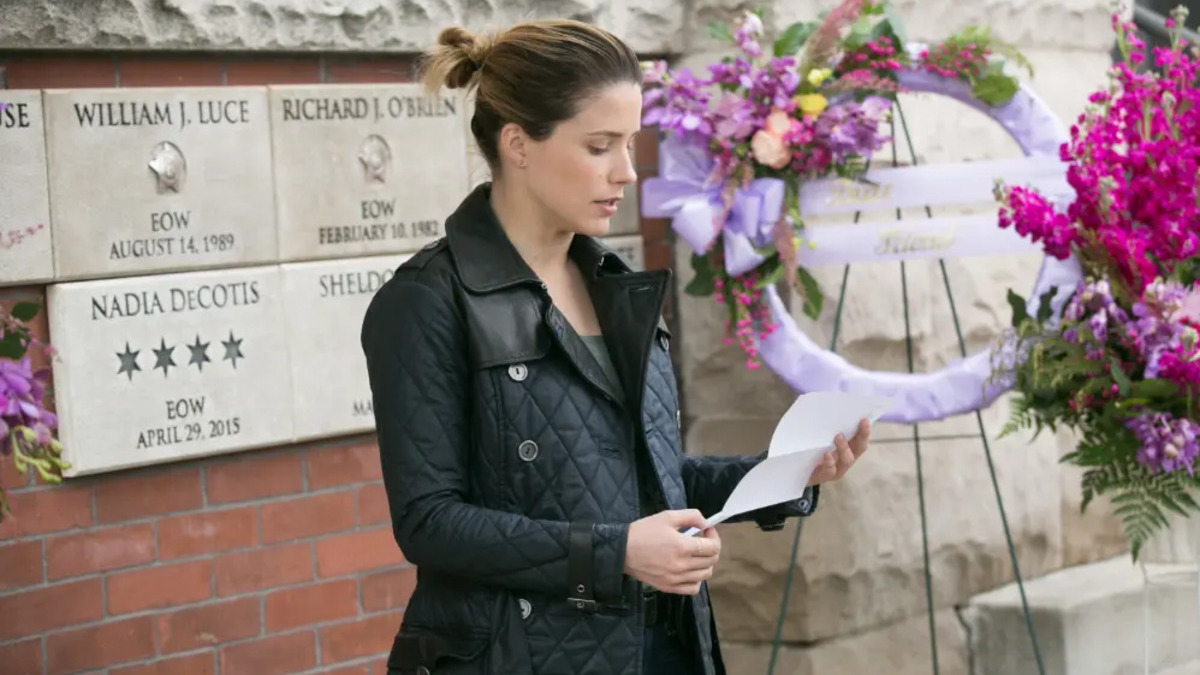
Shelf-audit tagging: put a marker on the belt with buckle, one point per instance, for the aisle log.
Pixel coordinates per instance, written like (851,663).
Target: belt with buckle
(656,608)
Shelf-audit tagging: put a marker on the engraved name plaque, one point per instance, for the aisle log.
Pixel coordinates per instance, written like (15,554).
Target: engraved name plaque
(365,169)
(26,254)
(150,180)
(325,302)
(166,367)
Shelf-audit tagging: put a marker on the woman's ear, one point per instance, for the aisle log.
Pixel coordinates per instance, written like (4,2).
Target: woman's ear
(514,145)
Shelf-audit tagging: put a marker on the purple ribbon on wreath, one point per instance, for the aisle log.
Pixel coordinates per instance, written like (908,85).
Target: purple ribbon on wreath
(688,191)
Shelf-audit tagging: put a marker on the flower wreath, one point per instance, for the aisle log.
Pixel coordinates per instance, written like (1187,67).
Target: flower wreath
(812,109)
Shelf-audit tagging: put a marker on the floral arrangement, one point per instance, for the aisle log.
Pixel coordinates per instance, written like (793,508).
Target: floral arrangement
(811,104)
(25,422)
(1121,365)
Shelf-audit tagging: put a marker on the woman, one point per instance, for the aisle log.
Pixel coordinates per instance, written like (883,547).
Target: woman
(525,402)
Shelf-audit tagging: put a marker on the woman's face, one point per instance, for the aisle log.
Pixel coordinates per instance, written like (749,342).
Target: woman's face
(579,173)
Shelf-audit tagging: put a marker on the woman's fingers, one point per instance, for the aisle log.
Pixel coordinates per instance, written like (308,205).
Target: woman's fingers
(862,437)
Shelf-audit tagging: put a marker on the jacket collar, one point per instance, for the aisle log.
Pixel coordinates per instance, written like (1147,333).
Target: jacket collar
(487,261)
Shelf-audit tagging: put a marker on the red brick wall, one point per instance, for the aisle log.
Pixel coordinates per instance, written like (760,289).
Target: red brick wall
(269,562)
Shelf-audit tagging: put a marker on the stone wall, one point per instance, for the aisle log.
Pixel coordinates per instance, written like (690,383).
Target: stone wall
(654,26)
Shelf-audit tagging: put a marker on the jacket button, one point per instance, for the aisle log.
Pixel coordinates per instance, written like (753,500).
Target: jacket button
(518,372)
(526,608)
(422,670)
(665,342)
(527,450)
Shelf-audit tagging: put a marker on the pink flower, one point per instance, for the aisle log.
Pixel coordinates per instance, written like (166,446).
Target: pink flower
(769,150)
(778,123)
(1189,308)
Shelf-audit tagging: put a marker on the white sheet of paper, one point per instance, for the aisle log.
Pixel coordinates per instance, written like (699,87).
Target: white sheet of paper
(802,437)
(815,418)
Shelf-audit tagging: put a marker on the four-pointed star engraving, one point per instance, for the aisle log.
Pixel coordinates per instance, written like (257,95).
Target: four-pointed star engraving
(164,355)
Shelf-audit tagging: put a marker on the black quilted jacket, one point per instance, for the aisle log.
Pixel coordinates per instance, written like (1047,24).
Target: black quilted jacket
(511,467)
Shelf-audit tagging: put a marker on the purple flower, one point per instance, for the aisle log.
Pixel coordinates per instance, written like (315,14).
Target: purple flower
(1098,323)
(654,72)
(21,394)
(852,128)
(746,35)
(1167,443)
(680,104)
(733,118)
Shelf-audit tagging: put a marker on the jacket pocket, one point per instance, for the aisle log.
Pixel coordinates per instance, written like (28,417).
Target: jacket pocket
(422,653)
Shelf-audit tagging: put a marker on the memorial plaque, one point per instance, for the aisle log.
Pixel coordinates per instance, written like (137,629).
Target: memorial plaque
(631,248)
(26,254)
(365,169)
(161,368)
(150,180)
(325,303)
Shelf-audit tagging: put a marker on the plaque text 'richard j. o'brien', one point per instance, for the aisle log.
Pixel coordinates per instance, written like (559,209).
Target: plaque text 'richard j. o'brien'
(373,108)
(394,165)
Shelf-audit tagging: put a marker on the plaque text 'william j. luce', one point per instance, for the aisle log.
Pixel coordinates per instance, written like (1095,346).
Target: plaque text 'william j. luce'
(151,180)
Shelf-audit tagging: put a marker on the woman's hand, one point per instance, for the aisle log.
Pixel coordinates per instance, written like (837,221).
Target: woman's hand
(838,461)
(659,555)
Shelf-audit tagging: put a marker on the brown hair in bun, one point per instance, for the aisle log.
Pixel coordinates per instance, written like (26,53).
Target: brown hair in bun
(535,74)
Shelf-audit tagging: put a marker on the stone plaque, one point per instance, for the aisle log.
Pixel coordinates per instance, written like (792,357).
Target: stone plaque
(25,251)
(160,368)
(631,248)
(146,180)
(365,169)
(325,302)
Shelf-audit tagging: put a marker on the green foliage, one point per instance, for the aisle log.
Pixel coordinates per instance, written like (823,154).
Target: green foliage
(994,87)
(14,341)
(810,290)
(704,277)
(1054,374)
(792,39)
(719,30)
(1142,499)
(892,25)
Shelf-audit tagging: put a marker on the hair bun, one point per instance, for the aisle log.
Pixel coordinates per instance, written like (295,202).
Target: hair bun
(458,57)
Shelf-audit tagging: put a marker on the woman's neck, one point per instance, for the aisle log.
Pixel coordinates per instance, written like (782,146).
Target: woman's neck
(542,246)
